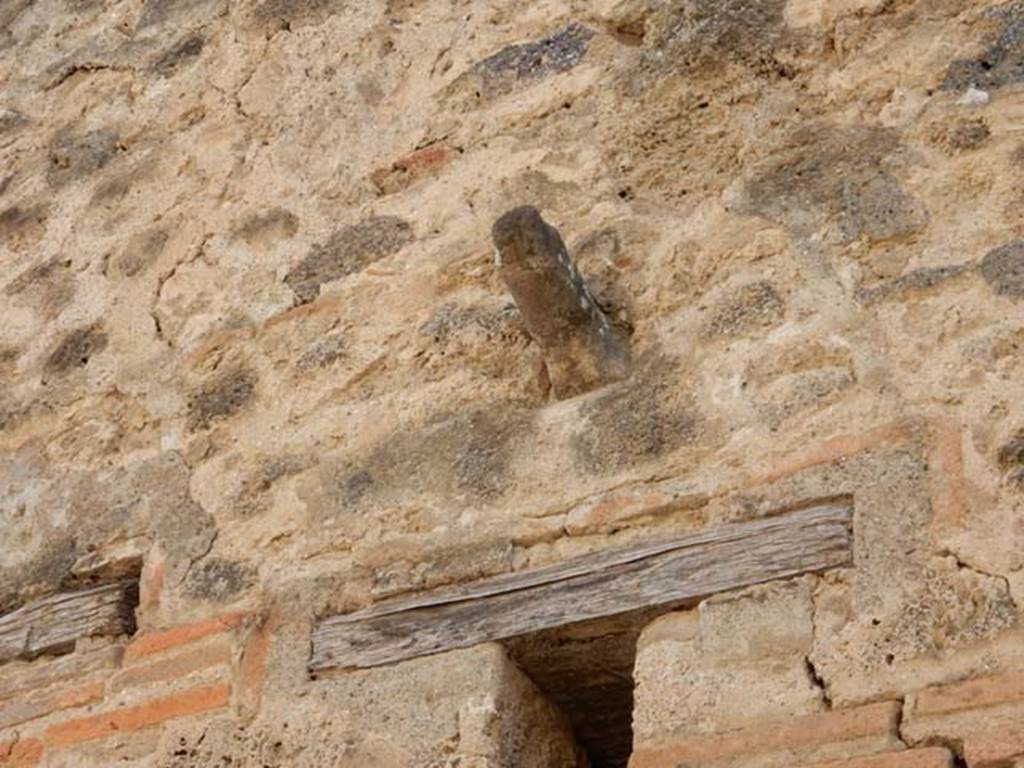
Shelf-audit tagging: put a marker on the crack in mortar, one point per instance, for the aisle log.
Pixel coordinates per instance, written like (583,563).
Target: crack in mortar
(814,675)
(70,71)
(162,280)
(209,548)
(954,745)
(818,681)
(964,565)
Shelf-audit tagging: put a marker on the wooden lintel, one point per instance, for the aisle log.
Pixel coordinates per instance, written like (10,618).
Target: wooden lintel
(52,624)
(639,577)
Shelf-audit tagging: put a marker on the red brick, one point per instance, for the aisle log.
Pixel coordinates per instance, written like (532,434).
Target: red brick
(791,734)
(614,508)
(253,667)
(972,694)
(427,158)
(193,659)
(151,582)
(191,702)
(995,748)
(20,754)
(832,450)
(946,479)
(161,641)
(933,757)
(23,709)
(411,168)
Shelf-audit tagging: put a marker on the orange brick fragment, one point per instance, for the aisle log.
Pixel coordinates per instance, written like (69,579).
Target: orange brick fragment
(932,757)
(20,754)
(947,481)
(972,694)
(409,169)
(151,583)
(424,159)
(995,748)
(161,641)
(253,666)
(79,697)
(191,702)
(791,734)
(837,448)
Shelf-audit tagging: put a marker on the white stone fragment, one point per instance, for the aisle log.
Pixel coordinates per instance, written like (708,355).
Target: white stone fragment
(974,97)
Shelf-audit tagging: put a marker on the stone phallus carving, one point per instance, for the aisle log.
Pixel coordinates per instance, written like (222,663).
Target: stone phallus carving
(582,349)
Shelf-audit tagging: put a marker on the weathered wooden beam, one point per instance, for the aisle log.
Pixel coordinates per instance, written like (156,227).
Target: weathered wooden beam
(663,573)
(52,624)
(582,350)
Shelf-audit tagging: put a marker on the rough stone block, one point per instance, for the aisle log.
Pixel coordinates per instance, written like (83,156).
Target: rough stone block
(470,707)
(996,748)
(732,662)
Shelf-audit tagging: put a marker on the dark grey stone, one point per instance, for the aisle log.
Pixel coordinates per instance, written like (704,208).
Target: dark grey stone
(346,252)
(1003,269)
(1002,63)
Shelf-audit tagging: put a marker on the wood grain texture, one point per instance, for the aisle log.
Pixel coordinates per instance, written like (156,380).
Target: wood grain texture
(596,586)
(52,624)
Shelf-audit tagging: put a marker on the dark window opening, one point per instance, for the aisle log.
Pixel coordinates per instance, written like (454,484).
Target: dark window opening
(586,670)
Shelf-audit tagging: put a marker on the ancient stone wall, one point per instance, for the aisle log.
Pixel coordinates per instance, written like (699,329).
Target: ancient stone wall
(257,358)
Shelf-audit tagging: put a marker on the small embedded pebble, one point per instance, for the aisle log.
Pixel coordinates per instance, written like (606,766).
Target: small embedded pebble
(974,97)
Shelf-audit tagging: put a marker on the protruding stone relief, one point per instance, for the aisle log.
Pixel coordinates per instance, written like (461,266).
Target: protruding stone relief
(582,349)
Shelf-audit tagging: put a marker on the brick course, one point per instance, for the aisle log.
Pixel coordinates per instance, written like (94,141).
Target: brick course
(161,641)
(970,694)
(30,707)
(204,656)
(20,677)
(997,748)
(20,754)
(874,720)
(190,702)
(933,757)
